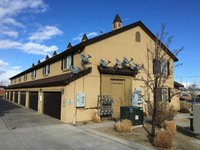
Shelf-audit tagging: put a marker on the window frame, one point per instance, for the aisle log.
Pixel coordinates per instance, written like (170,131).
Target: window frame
(161,67)
(33,74)
(67,62)
(46,70)
(25,77)
(19,79)
(138,37)
(164,94)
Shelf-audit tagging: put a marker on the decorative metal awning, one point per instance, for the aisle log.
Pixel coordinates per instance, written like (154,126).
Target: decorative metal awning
(118,71)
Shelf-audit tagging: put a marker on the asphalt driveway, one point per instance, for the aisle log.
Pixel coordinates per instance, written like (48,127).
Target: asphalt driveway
(25,129)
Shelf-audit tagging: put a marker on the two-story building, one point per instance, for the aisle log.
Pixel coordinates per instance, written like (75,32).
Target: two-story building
(69,85)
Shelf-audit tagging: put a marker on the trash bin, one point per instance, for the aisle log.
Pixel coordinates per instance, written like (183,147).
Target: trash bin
(133,113)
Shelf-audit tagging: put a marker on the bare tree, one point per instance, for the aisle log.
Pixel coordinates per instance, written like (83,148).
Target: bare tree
(155,80)
(2,81)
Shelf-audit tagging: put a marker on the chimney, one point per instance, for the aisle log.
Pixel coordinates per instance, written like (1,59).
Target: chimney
(69,45)
(85,38)
(47,57)
(117,23)
(38,62)
(54,53)
(33,65)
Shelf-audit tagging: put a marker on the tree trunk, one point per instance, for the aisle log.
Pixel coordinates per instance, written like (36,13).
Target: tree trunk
(155,99)
(153,127)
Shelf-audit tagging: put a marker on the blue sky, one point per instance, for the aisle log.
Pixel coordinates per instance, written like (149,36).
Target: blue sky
(31,29)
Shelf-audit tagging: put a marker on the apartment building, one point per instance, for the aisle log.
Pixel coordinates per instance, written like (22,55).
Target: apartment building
(70,85)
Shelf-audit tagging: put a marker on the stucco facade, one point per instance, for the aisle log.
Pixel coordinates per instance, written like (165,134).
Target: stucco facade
(119,43)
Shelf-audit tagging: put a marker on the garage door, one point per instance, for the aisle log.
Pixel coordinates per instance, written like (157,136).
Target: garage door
(16,97)
(11,96)
(33,100)
(23,98)
(52,104)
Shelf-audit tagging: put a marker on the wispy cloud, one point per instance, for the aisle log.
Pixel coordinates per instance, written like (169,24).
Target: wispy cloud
(10,9)
(38,49)
(45,33)
(29,48)
(10,33)
(16,67)
(3,63)
(8,44)
(89,35)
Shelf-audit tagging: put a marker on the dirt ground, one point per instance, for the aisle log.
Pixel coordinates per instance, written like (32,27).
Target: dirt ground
(141,135)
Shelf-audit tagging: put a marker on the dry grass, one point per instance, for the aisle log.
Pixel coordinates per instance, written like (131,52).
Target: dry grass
(170,126)
(123,126)
(163,139)
(96,118)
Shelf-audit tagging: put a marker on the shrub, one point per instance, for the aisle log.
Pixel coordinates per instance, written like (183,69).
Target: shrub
(185,106)
(96,118)
(123,126)
(165,111)
(163,139)
(170,126)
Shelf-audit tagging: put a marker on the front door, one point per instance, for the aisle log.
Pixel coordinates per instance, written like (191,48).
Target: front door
(118,93)
(118,87)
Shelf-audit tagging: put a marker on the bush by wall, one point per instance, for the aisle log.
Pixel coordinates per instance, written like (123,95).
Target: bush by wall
(123,126)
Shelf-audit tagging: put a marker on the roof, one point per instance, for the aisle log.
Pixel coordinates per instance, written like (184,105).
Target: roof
(117,19)
(178,85)
(79,47)
(59,80)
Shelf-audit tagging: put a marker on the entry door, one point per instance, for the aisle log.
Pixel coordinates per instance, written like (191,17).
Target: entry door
(117,92)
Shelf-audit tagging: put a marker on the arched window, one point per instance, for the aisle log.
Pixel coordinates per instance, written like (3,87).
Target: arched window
(137,37)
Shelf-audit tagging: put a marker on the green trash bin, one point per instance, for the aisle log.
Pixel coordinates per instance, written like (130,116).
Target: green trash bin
(133,113)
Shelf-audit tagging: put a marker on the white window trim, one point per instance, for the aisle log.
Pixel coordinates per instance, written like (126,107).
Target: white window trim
(67,62)
(33,74)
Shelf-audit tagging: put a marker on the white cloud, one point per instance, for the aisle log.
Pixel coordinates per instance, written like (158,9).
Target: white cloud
(38,49)
(89,35)
(10,33)
(29,48)
(10,9)
(12,21)
(45,33)
(7,73)
(3,63)
(16,67)
(13,7)
(92,34)
(8,44)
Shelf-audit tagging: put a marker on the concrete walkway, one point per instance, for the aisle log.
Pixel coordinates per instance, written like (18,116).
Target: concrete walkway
(24,129)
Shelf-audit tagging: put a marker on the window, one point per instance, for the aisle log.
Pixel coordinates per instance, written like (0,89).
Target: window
(161,67)
(46,69)
(19,79)
(25,77)
(163,94)
(66,62)
(137,37)
(33,74)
